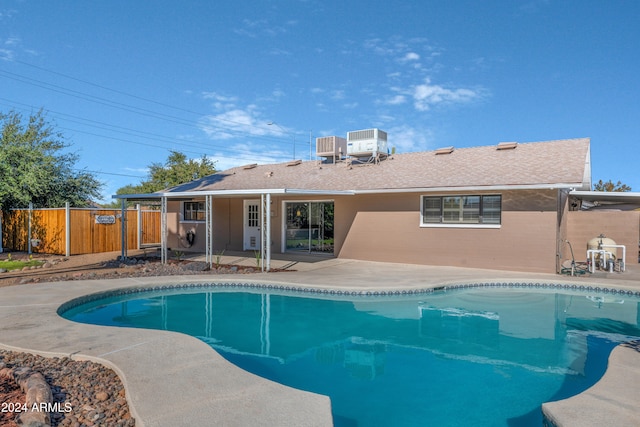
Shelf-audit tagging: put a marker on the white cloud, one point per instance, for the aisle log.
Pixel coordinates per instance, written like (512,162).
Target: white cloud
(411,56)
(7,54)
(409,139)
(337,94)
(220,98)
(428,95)
(245,154)
(8,48)
(260,27)
(278,93)
(7,13)
(396,100)
(221,102)
(142,171)
(233,124)
(250,28)
(279,52)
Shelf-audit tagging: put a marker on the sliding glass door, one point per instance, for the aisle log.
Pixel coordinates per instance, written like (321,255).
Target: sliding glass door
(309,227)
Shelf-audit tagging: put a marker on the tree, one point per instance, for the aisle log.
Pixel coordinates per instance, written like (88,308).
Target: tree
(34,167)
(610,186)
(176,170)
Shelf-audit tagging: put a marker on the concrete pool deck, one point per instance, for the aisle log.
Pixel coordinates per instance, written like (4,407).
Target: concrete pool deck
(174,379)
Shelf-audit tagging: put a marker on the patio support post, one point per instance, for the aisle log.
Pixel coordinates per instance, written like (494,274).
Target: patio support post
(209,230)
(265,230)
(268,214)
(123,229)
(163,229)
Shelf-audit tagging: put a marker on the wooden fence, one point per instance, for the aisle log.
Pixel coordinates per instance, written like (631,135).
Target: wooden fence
(74,231)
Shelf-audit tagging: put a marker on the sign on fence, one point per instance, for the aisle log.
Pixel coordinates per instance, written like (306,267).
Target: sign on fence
(105,219)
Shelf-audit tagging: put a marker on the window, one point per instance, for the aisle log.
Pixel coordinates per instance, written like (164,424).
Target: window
(253,216)
(462,209)
(194,211)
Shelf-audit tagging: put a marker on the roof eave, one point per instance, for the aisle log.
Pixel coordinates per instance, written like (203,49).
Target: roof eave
(554,186)
(243,192)
(607,196)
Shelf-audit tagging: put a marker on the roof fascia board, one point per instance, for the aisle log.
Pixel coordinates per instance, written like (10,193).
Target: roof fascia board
(256,192)
(472,188)
(302,192)
(148,196)
(612,196)
(321,192)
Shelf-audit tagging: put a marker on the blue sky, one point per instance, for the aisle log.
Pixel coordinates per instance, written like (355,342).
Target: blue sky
(126,82)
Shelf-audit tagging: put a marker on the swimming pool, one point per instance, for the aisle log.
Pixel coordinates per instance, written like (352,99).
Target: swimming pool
(469,356)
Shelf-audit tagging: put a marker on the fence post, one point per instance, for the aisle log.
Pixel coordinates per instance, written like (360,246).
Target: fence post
(1,233)
(29,229)
(139,213)
(67,229)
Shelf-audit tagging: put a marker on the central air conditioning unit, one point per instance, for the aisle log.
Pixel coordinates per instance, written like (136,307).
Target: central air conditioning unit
(331,147)
(367,143)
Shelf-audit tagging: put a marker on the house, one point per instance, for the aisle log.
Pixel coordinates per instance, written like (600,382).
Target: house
(502,206)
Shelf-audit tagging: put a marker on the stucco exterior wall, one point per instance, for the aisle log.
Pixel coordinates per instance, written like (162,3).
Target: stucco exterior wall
(621,226)
(387,228)
(228,217)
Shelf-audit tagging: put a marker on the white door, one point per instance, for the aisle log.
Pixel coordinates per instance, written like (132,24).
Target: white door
(251,239)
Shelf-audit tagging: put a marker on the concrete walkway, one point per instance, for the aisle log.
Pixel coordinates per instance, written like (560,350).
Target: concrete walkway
(173,379)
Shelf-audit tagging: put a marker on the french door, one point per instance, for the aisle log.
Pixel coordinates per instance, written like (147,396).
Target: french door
(309,227)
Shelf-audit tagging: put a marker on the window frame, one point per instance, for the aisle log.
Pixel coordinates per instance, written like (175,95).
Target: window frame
(461,205)
(199,211)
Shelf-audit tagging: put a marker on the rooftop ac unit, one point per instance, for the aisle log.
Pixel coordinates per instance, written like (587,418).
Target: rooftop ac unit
(331,147)
(366,143)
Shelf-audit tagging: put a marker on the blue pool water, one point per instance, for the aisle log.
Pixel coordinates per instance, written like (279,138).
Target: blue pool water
(474,357)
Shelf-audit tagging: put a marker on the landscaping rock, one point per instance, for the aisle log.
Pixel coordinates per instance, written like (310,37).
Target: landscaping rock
(93,394)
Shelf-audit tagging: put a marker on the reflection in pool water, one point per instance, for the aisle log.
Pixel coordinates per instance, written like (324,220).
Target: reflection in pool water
(467,357)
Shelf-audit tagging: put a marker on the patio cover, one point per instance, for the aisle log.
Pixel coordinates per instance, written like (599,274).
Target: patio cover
(265,202)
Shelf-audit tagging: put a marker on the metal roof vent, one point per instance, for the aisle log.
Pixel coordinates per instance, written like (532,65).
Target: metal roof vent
(506,146)
(445,150)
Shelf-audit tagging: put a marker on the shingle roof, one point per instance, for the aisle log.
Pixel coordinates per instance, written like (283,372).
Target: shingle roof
(553,163)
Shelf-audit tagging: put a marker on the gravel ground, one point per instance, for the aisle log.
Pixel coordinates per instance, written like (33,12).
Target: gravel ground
(108,266)
(88,393)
